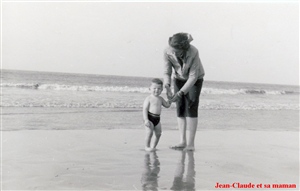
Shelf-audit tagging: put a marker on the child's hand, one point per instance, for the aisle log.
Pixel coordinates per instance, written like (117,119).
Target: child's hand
(147,123)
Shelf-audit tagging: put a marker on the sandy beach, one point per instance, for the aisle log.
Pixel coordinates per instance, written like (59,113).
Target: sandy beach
(87,160)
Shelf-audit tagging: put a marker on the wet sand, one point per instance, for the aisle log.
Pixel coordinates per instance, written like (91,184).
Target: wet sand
(115,160)
(35,118)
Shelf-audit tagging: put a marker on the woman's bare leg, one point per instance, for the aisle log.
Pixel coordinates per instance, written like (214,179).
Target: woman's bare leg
(182,132)
(192,123)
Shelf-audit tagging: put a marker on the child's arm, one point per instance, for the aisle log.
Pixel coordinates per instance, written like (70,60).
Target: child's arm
(165,103)
(145,112)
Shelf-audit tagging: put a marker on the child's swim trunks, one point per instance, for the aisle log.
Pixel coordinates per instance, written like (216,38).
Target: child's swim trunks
(154,118)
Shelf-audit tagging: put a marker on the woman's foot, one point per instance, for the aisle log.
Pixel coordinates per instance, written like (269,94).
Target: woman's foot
(149,149)
(189,148)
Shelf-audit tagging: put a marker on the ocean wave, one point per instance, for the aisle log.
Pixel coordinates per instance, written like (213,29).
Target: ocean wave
(217,91)
(63,87)
(213,91)
(20,85)
(138,106)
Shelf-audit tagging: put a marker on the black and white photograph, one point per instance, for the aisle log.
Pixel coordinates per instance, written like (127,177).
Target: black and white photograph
(149,95)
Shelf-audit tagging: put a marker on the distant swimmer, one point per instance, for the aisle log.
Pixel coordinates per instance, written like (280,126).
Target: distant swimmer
(36,86)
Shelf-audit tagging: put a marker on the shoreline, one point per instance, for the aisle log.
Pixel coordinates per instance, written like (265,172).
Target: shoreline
(131,118)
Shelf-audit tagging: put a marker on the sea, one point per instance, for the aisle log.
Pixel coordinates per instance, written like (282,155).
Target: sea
(67,90)
(79,98)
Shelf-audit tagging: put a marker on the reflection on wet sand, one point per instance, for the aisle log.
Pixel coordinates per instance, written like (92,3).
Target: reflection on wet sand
(151,169)
(188,182)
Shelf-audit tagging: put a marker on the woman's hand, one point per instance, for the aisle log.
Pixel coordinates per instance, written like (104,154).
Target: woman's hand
(177,96)
(169,96)
(169,92)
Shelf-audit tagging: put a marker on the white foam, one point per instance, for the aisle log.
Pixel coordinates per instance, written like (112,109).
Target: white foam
(208,91)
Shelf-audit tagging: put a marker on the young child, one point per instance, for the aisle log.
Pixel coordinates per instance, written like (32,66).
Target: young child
(151,113)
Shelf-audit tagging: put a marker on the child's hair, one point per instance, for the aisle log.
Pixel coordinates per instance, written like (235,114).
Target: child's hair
(157,81)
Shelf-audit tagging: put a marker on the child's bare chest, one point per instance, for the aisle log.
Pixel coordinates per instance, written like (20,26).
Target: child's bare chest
(155,101)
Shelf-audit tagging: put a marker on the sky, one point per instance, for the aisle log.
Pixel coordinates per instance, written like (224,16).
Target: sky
(255,42)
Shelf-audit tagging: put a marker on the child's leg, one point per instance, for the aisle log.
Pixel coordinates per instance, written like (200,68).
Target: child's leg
(157,130)
(149,133)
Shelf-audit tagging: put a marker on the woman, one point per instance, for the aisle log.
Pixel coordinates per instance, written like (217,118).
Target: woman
(188,75)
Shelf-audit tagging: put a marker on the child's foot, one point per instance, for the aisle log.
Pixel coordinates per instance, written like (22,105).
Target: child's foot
(189,148)
(149,149)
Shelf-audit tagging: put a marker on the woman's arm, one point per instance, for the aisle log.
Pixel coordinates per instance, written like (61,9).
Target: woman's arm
(169,92)
(167,70)
(193,76)
(196,72)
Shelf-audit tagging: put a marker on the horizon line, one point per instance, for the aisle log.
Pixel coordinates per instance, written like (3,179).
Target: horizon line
(62,72)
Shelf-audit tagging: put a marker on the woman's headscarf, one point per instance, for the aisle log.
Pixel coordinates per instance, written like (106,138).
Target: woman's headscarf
(180,41)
